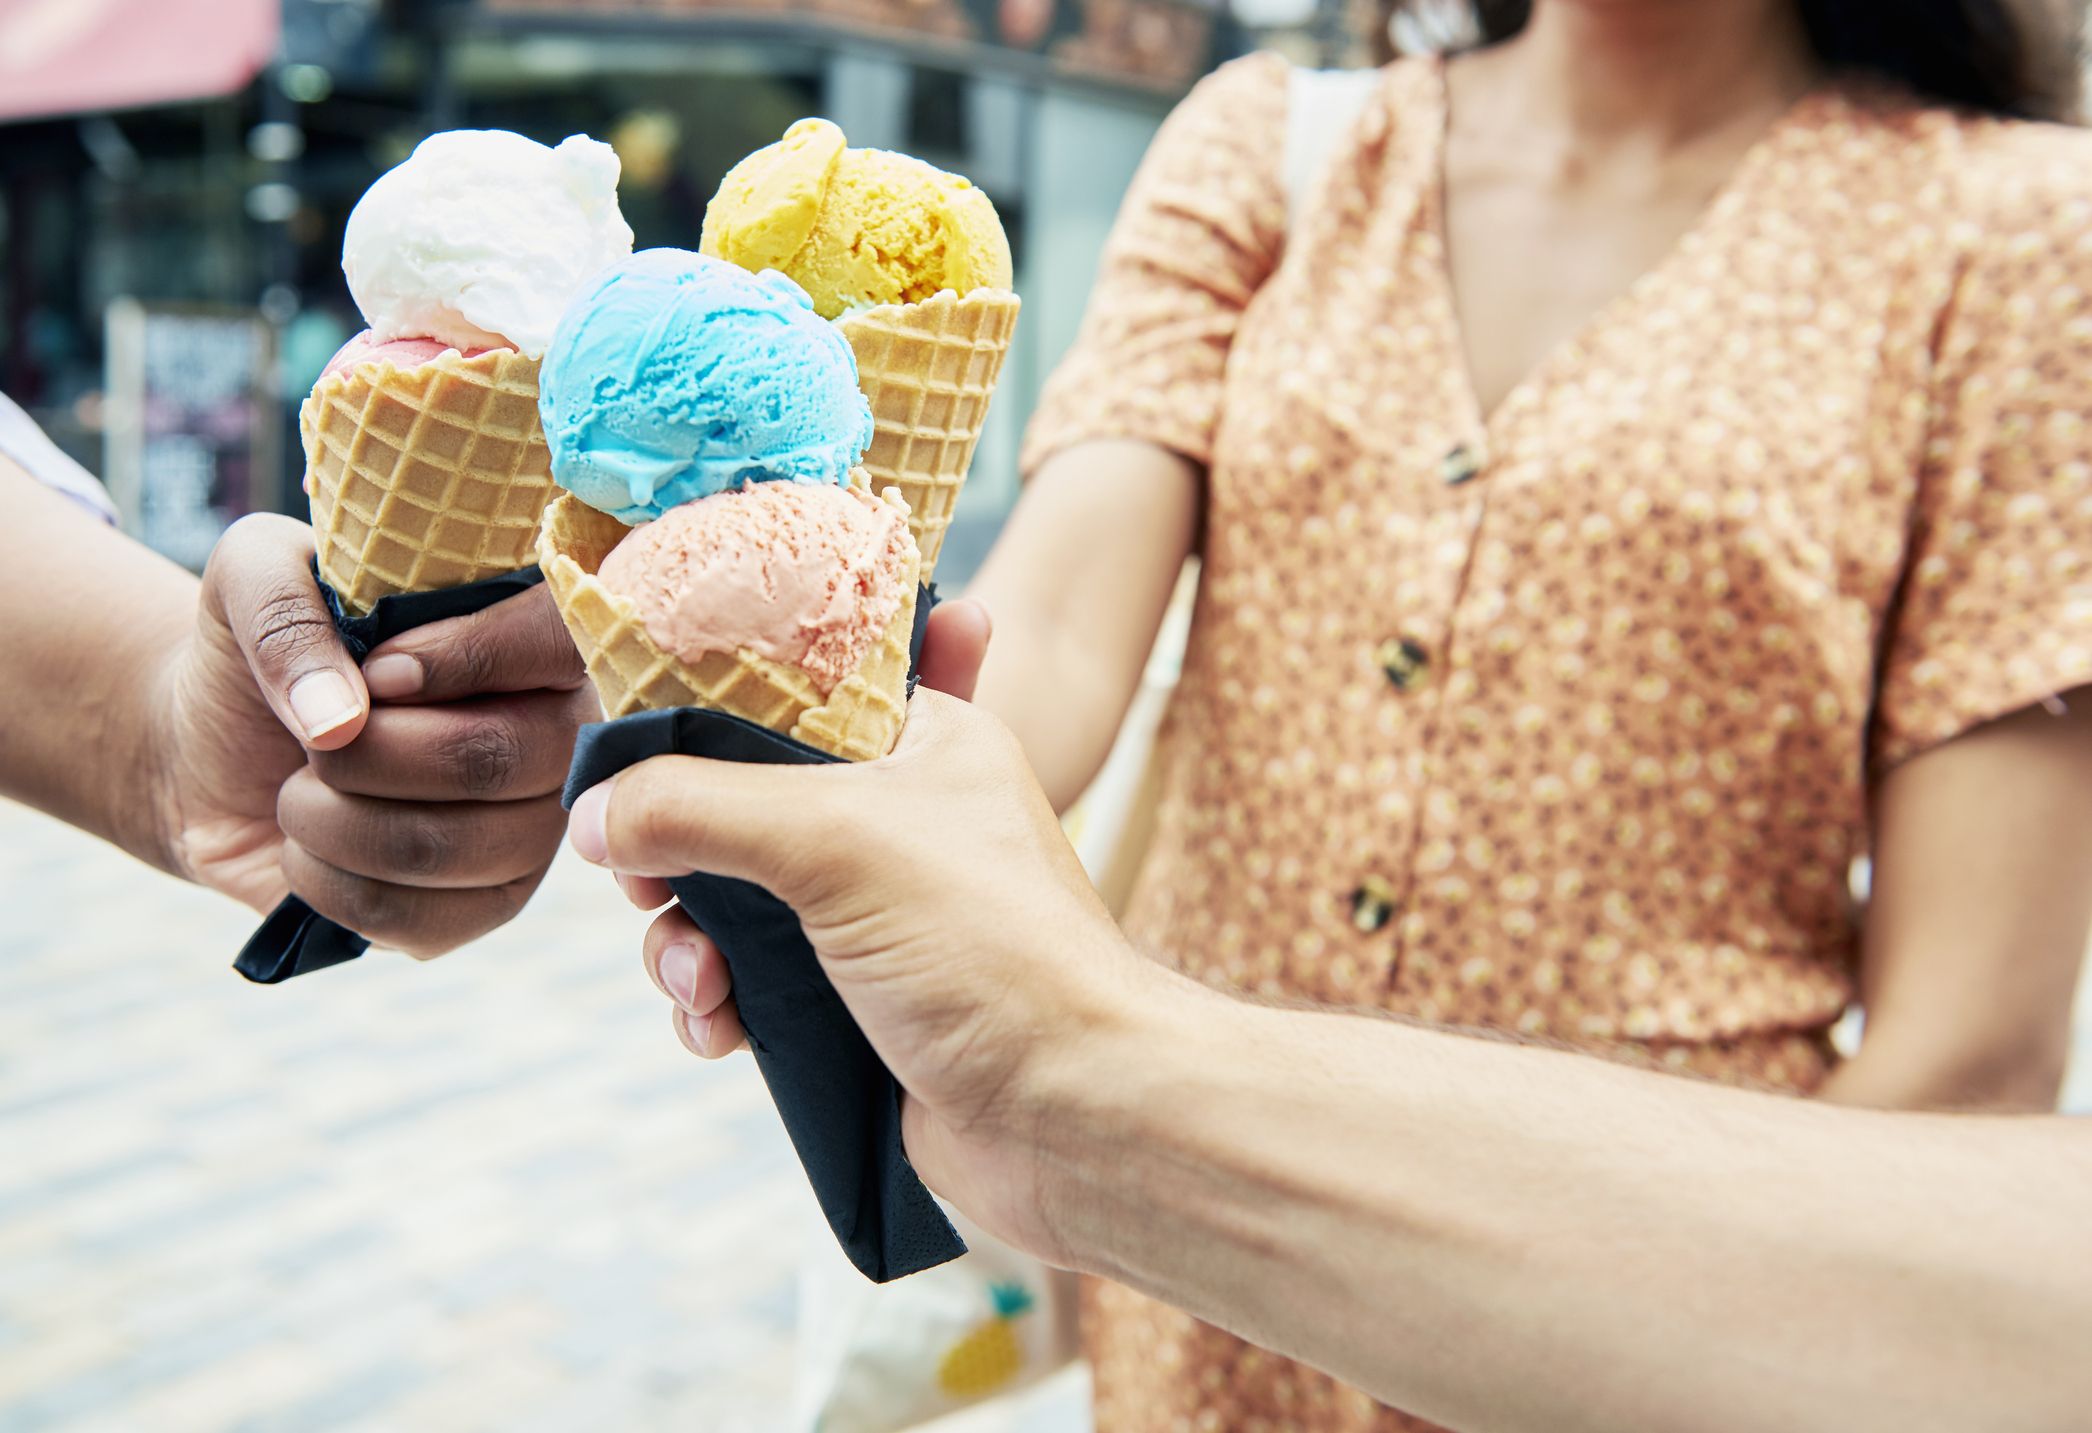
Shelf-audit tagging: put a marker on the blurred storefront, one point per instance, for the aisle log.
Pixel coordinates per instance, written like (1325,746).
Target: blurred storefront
(175,175)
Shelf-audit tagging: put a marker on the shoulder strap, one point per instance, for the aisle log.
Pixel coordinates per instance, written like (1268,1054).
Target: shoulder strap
(1320,105)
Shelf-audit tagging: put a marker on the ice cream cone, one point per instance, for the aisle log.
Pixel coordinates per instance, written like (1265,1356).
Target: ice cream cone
(424,477)
(858,720)
(929,370)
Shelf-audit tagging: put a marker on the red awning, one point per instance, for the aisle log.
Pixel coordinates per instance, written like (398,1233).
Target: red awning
(71,56)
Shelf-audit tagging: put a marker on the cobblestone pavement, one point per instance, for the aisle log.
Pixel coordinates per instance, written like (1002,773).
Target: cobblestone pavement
(485,1193)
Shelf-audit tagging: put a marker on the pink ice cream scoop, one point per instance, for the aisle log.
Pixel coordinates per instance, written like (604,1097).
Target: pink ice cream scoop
(802,573)
(401,353)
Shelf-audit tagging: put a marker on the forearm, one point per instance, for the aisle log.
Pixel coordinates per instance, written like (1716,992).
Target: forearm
(1063,710)
(1977,922)
(1077,586)
(1957,1073)
(1502,1237)
(92,618)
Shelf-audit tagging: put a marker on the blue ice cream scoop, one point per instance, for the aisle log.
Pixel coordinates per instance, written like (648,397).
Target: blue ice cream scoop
(675,376)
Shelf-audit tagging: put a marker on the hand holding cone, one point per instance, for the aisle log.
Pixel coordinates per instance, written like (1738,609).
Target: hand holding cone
(769,586)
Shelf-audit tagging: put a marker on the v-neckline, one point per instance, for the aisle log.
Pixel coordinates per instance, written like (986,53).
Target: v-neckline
(1728,197)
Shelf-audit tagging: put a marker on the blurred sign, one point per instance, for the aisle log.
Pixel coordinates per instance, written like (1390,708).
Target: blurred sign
(192,422)
(68,56)
(1164,43)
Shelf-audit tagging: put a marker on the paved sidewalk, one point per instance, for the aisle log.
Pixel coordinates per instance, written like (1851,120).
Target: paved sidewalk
(489,1192)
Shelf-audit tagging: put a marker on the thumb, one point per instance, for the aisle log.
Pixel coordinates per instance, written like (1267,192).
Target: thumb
(954,647)
(799,831)
(676,814)
(258,586)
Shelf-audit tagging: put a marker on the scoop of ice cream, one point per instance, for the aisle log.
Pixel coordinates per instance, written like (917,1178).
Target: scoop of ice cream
(803,575)
(675,376)
(855,227)
(482,237)
(399,352)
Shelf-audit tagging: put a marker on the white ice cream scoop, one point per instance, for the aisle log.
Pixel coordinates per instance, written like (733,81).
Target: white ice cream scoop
(481,238)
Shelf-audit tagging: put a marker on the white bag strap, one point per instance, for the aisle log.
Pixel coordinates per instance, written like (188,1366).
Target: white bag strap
(1320,106)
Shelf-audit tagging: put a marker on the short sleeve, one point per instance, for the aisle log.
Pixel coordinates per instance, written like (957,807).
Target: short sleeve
(1200,230)
(1995,609)
(29,448)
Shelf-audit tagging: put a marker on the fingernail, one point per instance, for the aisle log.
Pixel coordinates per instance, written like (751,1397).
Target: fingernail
(679,974)
(323,701)
(587,823)
(699,1029)
(392,676)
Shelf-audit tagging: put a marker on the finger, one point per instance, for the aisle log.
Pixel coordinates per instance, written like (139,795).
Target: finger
(649,893)
(258,583)
(455,845)
(778,826)
(504,748)
(954,645)
(675,814)
(415,919)
(709,1037)
(517,645)
(685,965)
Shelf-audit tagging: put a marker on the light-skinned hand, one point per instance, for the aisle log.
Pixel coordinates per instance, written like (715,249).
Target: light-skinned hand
(924,881)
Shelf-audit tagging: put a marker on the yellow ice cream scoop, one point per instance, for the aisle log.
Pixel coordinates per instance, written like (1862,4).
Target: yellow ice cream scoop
(855,227)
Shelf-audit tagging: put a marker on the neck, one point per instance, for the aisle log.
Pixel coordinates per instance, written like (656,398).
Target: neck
(1665,70)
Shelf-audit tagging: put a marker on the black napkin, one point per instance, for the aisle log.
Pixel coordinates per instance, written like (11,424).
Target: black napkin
(296,939)
(841,1105)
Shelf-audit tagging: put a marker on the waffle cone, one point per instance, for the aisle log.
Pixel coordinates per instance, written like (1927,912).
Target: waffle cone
(860,719)
(929,370)
(424,477)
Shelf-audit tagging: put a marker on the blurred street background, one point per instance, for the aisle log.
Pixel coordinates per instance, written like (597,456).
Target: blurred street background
(175,176)
(489,1193)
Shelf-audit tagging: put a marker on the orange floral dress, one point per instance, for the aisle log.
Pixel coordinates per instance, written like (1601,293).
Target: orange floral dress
(1561,719)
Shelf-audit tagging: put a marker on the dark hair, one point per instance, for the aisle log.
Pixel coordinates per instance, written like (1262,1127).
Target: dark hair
(2010,57)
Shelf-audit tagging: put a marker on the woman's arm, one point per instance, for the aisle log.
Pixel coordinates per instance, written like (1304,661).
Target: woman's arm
(1077,585)
(1982,823)
(1116,450)
(1976,932)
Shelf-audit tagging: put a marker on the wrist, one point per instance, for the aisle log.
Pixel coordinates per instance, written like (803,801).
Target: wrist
(140,796)
(109,616)
(1138,1037)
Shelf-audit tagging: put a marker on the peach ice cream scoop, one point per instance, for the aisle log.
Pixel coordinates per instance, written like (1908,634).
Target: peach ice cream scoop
(801,574)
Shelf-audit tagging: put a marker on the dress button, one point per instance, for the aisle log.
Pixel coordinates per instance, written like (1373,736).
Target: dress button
(1403,660)
(1372,904)
(1460,466)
